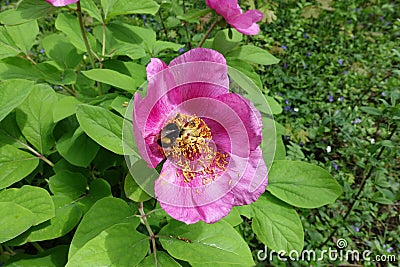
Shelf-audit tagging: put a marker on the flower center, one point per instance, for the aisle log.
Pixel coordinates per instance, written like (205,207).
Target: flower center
(186,140)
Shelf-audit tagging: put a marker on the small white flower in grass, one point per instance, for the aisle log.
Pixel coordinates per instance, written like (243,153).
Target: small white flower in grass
(296,109)
(372,141)
(328,149)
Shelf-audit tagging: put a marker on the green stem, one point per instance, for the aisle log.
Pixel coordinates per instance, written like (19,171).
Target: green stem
(185,25)
(85,39)
(208,32)
(9,250)
(152,236)
(37,154)
(162,24)
(38,247)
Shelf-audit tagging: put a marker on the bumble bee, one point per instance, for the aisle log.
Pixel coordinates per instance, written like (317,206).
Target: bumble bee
(168,135)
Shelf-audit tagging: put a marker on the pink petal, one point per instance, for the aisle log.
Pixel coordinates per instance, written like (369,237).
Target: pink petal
(246,23)
(192,201)
(253,177)
(151,156)
(200,65)
(61,2)
(155,66)
(225,8)
(199,54)
(248,115)
(209,213)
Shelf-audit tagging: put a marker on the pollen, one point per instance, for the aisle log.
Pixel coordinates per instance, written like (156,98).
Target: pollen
(193,151)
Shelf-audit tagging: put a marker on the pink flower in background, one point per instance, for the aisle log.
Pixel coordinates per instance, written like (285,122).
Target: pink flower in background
(61,2)
(245,23)
(209,137)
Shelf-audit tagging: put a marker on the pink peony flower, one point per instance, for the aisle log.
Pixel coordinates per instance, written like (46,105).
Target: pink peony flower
(209,137)
(245,23)
(61,2)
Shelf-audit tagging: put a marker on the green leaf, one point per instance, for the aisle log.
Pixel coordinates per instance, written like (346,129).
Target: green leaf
(130,34)
(253,54)
(112,8)
(133,190)
(10,133)
(243,74)
(143,175)
(137,71)
(59,48)
(163,259)
(15,165)
(302,184)
(12,94)
(77,148)
(134,35)
(33,198)
(117,245)
(243,83)
(111,77)
(14,220)
(119,104)
(24,35)
(104,127)
(17,68)
(133,51)
(33,9)
(54,257)
(218,244)
(98,189)
(246,211)
(7,46)
(95,221)
(280,151)
(193,15)
(69,25)
(268,145)
(277,225)
(52,74)
(160,46)
(65,107)
(275,107)
(233,217)
(371,110)
(67,183)
(223,44)
(12,17)
(91,8)
(35,117)
(67,216)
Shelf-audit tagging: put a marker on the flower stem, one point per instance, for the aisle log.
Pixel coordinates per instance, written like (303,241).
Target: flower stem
(37,154)
(38,247)
(185,25)
(152,236)
(162,24)
(85,39)
(209,31)
(9,250)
